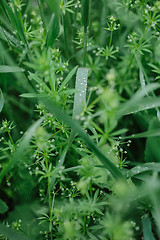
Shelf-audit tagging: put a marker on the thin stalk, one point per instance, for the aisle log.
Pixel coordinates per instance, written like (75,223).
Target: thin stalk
(84,48)
(110,41)
(65,36)
(11,139)
(49,195)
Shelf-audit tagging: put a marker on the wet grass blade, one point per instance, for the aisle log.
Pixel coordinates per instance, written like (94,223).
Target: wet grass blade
(24,143)
(134,103)
(10,69)
(153,166)
(53,108)
(80,96)
(53,30)
(1,100)
(150,133)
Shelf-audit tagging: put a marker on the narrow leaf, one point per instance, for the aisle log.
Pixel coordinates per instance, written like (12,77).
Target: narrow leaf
(24,143)
(52,107)
(136,100)
(81,86)
(85,14)
(153,166)
(150,133)
(68,78)
(147,230)
(53,30)
(28,95)
(9,69)
(40,82)
(3,207)
(54,5)
(1,100)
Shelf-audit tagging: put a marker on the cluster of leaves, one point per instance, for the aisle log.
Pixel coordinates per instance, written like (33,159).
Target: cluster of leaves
(78,82)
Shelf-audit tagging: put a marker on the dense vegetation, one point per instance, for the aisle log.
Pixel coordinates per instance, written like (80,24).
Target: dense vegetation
(80,119)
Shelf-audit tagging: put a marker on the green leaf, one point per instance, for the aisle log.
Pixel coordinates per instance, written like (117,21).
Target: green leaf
(138,102)
(81,86)
(9,233)
(10,69)
(53,30)
(54,5)
(53,108)
(68,78)
(147,230)
(152,150)
(3,207)
(1,100)
(40,82)
(15,20)
(18,154)
(143,168)
(85,13)
(28,95)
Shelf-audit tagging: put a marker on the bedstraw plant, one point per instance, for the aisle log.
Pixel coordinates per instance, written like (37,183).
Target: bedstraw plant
(80,119)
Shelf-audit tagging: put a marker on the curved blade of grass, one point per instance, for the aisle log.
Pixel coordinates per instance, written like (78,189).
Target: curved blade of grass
(1,100)
(53,30)
(52,107)
(3,207)
(136,100)
(54,5)
(143,168)
(150,133)
(10,69)
(144,104)
(24,143)
(10,234)
(147,229)
(67,79)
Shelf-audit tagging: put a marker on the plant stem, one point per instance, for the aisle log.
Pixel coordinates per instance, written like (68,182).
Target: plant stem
(84,48)
(110,41)
(49,195)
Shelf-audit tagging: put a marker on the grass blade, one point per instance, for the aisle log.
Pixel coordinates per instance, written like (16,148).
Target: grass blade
(24,143)
(147,230)
(10,69)
(3,207)
(150,133)
(52,107)
(54,6)
(85,14)
(81,86)
(15,20)
(1,100)
(67,79)
(137,99)
(53,30)
(153,166)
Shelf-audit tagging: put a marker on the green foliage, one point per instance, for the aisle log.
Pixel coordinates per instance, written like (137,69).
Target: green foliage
(78,81)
